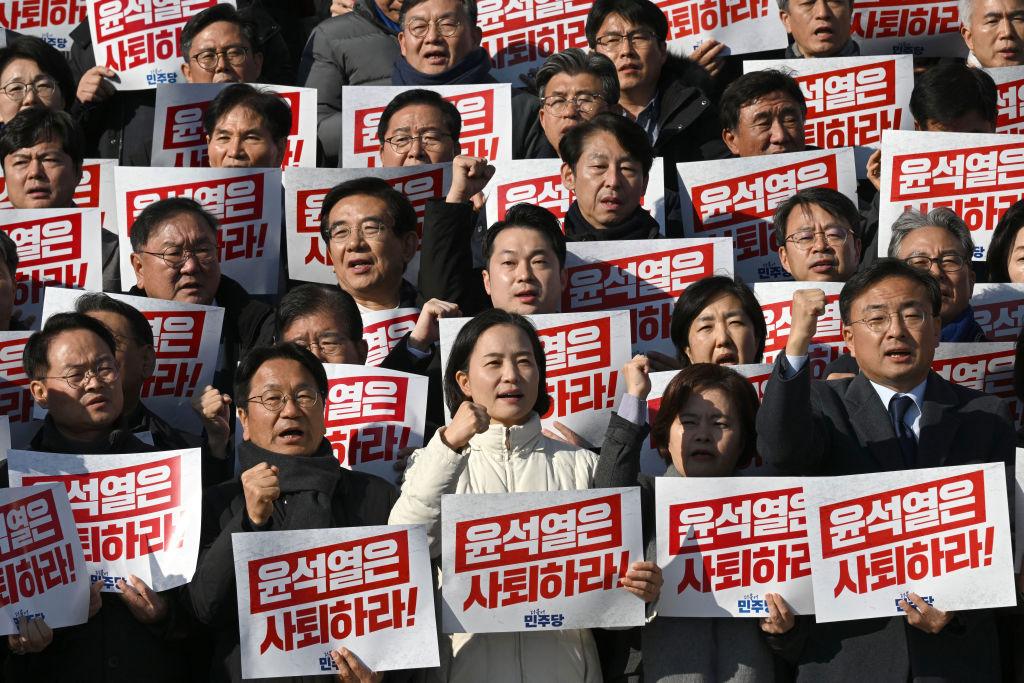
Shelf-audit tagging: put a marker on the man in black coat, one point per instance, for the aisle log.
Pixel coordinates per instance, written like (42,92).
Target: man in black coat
(890,312)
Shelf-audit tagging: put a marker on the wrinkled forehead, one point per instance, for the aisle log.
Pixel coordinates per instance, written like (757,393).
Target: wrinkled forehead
(282,374)
(77,347)
(185,227)
(433,9)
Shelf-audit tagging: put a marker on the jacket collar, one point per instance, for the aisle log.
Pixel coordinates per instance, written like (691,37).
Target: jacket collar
(49,439)
(516,441)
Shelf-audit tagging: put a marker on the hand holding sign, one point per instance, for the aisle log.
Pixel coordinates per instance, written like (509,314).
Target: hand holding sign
(94,87)
(924,616)
(808,305)
(780,617)
(643,579)
(470,419)
(33,636)
(709,56)
(145,604)
(426,331)
(470,176)
(351,669)
(261,488)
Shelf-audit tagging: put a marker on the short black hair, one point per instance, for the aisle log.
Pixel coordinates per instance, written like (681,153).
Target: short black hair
(702,294)
(142,333)
(753,86)
(402,214)
(638,12)
(468,5)
(8,253)
(997,257)
(33,126)
(883,268)
(310,298)
(950,90)
(49,60)
(255,358)
(573,61)
(151,217)
(465,342)
(449,114)
(36,357)
(832,202)
(630,135)
(275,112)
(532,217)
(220,12)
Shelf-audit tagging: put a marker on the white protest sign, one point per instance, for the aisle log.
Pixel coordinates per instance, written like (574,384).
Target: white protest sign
(983,366)
(186,340)
(179,137)
(382,330)
(245,201)
(486,112)
(584,354)
(371,414)
(137,513)
(1010,85)
(1018,499)
(42,571)
(758,375)
(545,560)
(776,299)
(724,542)
(644,277)
(978,176)
(920,28)
(15,397)
(140,40)
(999,309)
(737,198)
(304,593)
(942,533)
(95,190)
(51,20)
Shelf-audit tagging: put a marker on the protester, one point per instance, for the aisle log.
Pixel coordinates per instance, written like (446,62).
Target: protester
(247,128)
(324,320)
(8,273)
(33,74)
(763,112)
(218,45)
(819,28)
(818,231)
(1005,254)
(418,127)
(440,45)
(993,32)
(955,98)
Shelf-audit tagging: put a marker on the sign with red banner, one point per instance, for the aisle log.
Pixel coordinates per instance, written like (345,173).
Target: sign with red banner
(724,542)
(644,277)
(179,137)
(920,28)
(186,340)
(776,299)
(136,513)
(584,353)
(95,190)
(486,112)
(382,330)
(539,561)
(245,201)
(999,309)
(1010,84)
(370,415)
(51,20)
(42,571)
(978,176)
(985,366)
(942,533)
(302,594)
(15,397)
(737,198)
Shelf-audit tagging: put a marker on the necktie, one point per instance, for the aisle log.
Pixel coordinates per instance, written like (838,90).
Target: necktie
(898,407)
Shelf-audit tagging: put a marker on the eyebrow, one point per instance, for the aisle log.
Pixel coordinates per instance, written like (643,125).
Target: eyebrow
(361,220)
(728,314)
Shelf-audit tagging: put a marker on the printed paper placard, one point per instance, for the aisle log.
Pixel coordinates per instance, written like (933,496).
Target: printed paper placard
(55,247)
(486,112)
(15,397)
(539,561)
(42,571)
(186,340)
(245,201)
(51,20)
(136,513)
(985,366)
(942,533)
(584,354)
(95,190)
(370,415)
(304,593)
(179,137)
(1010,84)
(304,192)
(737,198)
(382,330)
(644,277)
(999,309)
(140,40)
(920,28)
(758,374)
(723,542)
(1018,498)
(776,299)
(977,176)
(539,182)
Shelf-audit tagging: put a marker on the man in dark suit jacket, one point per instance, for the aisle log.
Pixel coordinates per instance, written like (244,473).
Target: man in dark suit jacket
(890,313)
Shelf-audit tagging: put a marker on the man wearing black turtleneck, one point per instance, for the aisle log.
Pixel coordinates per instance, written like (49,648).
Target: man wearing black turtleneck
(290,480)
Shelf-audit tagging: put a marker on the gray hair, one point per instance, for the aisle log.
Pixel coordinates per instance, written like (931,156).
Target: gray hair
(965,7)
(574,61)
(468,5)
(940,217)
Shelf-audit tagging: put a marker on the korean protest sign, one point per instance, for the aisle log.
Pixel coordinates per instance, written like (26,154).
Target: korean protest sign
(978,176)
(999,309)
(51,20)
(371,414)
(1010,85)
(584,353)
(304,593)
(920,28)
(245,201)
(179,137)
(15,397)
(983,366)
(139,39)
(723,542)
(776,300)
(186,340)
(42,571)
(95,190)
(486,112)
(55,247)
(545,560)
(942,533)
(737,198)
(136,513)
(382,330)
(644,277)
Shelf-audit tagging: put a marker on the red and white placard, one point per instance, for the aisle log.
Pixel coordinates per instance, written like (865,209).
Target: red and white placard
(920,28)
(999,309)
(382,330)
(1010,84)
(776,299)
(15,397)
(986,366)
(95,190)
(51,20)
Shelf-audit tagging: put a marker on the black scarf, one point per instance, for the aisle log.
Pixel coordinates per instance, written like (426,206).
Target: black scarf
(49,439)
(639,226)
(474,68)
(851,49)
(307,485)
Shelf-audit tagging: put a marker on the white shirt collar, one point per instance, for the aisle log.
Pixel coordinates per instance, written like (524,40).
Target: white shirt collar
(886,394)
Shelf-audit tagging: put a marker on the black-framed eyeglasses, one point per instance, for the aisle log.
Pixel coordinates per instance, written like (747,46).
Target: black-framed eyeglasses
(175,257)
(641,40)
(834,237)
(879,321)
(274,400)
(44,88)
(445,27)
(431,141)
(947,263)
(329,346)
(105,372)
(585,103)
(234,55)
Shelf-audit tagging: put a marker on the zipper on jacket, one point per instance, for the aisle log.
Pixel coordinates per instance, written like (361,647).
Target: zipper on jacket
(509,470)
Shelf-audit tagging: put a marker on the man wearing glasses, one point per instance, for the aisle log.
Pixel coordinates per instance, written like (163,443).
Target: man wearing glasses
(418,127)
(818,232)
(218,46)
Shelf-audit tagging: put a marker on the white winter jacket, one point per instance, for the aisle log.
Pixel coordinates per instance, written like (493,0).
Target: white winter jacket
(502,460)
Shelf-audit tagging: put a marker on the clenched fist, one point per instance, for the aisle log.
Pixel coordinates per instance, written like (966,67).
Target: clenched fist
(636,374)
(808,306)
(470,419)
(469,177)
(261,488)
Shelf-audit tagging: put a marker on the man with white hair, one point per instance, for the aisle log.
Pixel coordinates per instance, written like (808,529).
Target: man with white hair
(993,31)
(820,28)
